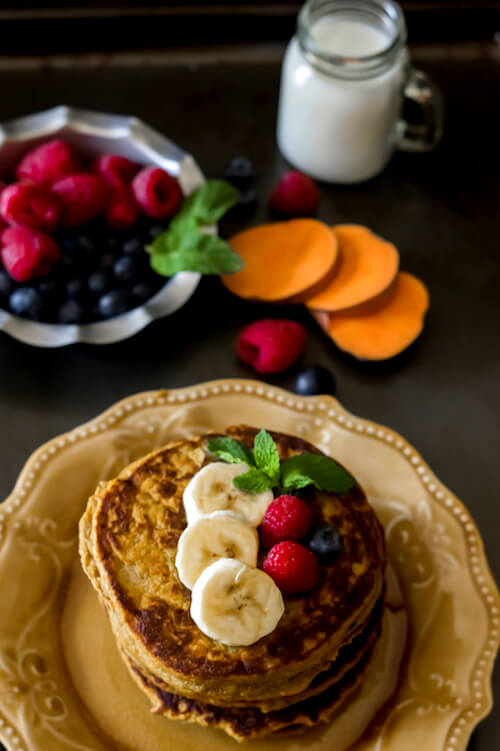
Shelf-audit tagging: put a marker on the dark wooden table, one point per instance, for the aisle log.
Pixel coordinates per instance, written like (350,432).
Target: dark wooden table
(441,210)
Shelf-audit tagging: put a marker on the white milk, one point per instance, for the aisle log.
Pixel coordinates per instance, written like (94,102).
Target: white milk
(347,38)
(333,125)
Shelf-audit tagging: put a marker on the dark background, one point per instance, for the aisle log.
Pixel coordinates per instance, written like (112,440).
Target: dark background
(30,27)
(208,77)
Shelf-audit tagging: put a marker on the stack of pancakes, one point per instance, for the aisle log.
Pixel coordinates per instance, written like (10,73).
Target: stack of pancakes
(296,676)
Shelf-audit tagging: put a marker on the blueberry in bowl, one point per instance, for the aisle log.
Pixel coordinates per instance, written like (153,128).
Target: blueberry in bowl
(77,217)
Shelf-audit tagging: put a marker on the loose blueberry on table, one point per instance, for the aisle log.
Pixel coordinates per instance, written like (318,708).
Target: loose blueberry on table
(315,380)
(73,234)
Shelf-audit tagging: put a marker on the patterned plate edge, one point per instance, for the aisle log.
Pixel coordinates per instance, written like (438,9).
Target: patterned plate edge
(470,716)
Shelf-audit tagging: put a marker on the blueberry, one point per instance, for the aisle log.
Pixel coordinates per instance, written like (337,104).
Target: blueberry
(75,289)
(326,543)
(143,291)
(315,380)
(69,245)
(98,282)
(155,230)
(6,283)
(26,301)
(86,244)
(48,287)
(133,247)
(115,303)
(71,312)
(113,242)
(69,264)
(246,206)
(240,172)
(107,260)
(125,268)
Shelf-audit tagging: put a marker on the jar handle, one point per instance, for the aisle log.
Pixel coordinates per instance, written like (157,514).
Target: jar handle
(426,134)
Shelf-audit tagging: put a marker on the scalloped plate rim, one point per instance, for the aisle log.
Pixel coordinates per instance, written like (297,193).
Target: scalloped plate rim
(224,386)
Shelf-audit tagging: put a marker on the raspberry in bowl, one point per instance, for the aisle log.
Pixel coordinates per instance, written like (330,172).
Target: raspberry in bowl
(86,193)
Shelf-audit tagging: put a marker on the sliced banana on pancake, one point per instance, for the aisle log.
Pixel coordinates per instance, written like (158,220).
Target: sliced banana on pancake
(212,489)
(235,603)
(222,534)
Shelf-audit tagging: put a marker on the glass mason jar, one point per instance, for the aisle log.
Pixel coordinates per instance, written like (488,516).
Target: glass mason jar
(345,76)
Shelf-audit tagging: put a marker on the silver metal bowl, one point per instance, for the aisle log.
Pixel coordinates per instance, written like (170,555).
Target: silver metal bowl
(94,133)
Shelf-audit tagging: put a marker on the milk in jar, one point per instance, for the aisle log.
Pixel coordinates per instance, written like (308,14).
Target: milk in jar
(342,87)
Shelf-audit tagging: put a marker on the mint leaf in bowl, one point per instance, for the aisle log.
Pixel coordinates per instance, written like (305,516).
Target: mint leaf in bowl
(187,245)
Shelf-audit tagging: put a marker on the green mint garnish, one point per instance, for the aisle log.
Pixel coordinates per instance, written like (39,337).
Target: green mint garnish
(231,451)
(254,481)
(185,246)
(207,204)
(314,469)
(268,472)
(266,456)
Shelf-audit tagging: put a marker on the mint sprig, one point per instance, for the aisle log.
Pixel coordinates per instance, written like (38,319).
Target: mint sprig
(267,472)
(254,481)
(266,456)
(315,469)
(186,246)
(231,451)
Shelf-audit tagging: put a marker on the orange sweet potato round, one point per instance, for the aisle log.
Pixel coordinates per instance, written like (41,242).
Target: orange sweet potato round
(283,260)
(367,266)
(382,328)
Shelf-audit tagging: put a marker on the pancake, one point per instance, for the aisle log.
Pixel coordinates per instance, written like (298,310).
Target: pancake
(351,656)
(352,652)
(251,723)
(128,542)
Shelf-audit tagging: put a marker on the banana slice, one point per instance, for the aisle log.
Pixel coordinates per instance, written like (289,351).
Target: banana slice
(212,489)
(235,604)
(222,534)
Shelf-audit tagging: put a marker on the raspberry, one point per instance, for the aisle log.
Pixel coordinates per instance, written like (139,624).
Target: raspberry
(292,567)
(30,206)
(49,162)
(26,253)
(157,193)
(295,195)
(122,211)
(83,197)
(286,518)
(271,345)
(116,170)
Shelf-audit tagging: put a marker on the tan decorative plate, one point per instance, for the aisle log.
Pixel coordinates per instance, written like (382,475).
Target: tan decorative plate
(62,684)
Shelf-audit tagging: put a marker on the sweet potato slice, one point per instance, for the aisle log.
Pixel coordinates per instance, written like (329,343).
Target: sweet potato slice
(282,260)
(367,266)
(383,330)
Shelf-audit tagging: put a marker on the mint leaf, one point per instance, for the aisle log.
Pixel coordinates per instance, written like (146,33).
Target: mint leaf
(206,254)
(266,455)
(185,246)
(230,450)
(255,481)
(315,469)
(207,204)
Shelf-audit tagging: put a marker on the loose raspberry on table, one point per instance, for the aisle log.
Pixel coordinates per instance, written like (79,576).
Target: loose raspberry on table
(115,169)
(26,253)
(292,567)
(30,206)
(286,518)
(295,195)
(83,197)
(271,345)
(158,194)
(49,162)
